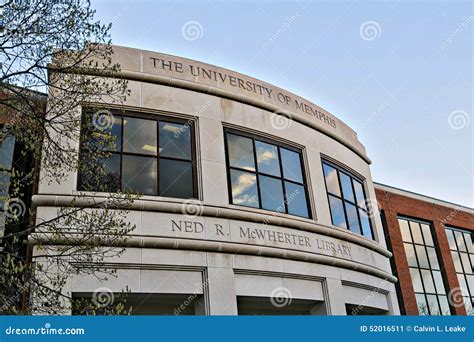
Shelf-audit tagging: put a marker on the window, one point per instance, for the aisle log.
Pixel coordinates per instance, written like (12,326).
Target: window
(425,271)
(347,200)
(266,175)
(142,154)
(462,251)
(7,146)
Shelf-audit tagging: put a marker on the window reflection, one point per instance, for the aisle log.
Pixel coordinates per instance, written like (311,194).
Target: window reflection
(267,157)
(240,151)
(291,165)
(132,166)
(139,175)
(424,267)
(139,136)
(274,182)
(176,178)
(175,140)
(460,243)
(244,188)
(347,200)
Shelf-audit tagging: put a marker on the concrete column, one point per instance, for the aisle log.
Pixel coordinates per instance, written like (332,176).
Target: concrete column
(221,297)
(334,297)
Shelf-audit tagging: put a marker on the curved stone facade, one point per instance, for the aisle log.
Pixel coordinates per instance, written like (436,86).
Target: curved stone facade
(237,259)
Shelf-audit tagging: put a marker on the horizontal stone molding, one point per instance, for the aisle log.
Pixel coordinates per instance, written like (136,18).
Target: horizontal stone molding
(225,247)
(275,219)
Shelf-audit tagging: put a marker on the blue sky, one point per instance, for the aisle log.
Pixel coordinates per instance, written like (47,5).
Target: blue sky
(398,72)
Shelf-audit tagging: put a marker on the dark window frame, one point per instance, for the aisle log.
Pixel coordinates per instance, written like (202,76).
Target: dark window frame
(339,169)
(458,251)
(282,178)
(430,269)
(146,116)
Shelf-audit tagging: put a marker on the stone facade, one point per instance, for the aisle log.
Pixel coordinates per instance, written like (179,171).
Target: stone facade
(228,255)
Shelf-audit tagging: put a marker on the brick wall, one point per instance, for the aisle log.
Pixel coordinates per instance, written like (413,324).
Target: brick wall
(394,204)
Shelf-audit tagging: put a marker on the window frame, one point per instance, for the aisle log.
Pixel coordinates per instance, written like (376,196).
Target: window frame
(352,176)
(278,144)
(464,274)
(146,116)
(425,294)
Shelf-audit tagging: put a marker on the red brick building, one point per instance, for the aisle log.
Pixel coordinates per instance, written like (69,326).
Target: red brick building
(433,252)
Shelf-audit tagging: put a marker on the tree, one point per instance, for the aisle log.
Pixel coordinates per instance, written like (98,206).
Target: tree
(55,47)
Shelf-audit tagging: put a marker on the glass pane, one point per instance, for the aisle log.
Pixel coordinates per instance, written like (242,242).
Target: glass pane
(364,219)
(352,218)
(347,187)
(452,242)
(428,281)
(463,284)
(427,235)
(104,133)
(359,192)
(139,136)
(175,140)
(422,257)
(460,241)
(4,187)
(410,253)
(416,232)
(444,306)
(337,212)
(433,305)
(101,173)
(433,258)
(469,245)
(416,280)
(291,165)
(271,190)
(244,188)
(422,306)
(7,145)
(240,152)
(438,280)
(405,230)
(176,178)
(470,283)
(457,262)
(296,199)
(332,182)
(139,175)
(466,263)
(267,158)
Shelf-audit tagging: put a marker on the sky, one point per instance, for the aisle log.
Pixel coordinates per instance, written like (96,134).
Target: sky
(397,72)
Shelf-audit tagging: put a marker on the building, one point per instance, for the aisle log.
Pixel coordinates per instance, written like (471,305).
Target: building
(433,253)
(255,200)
